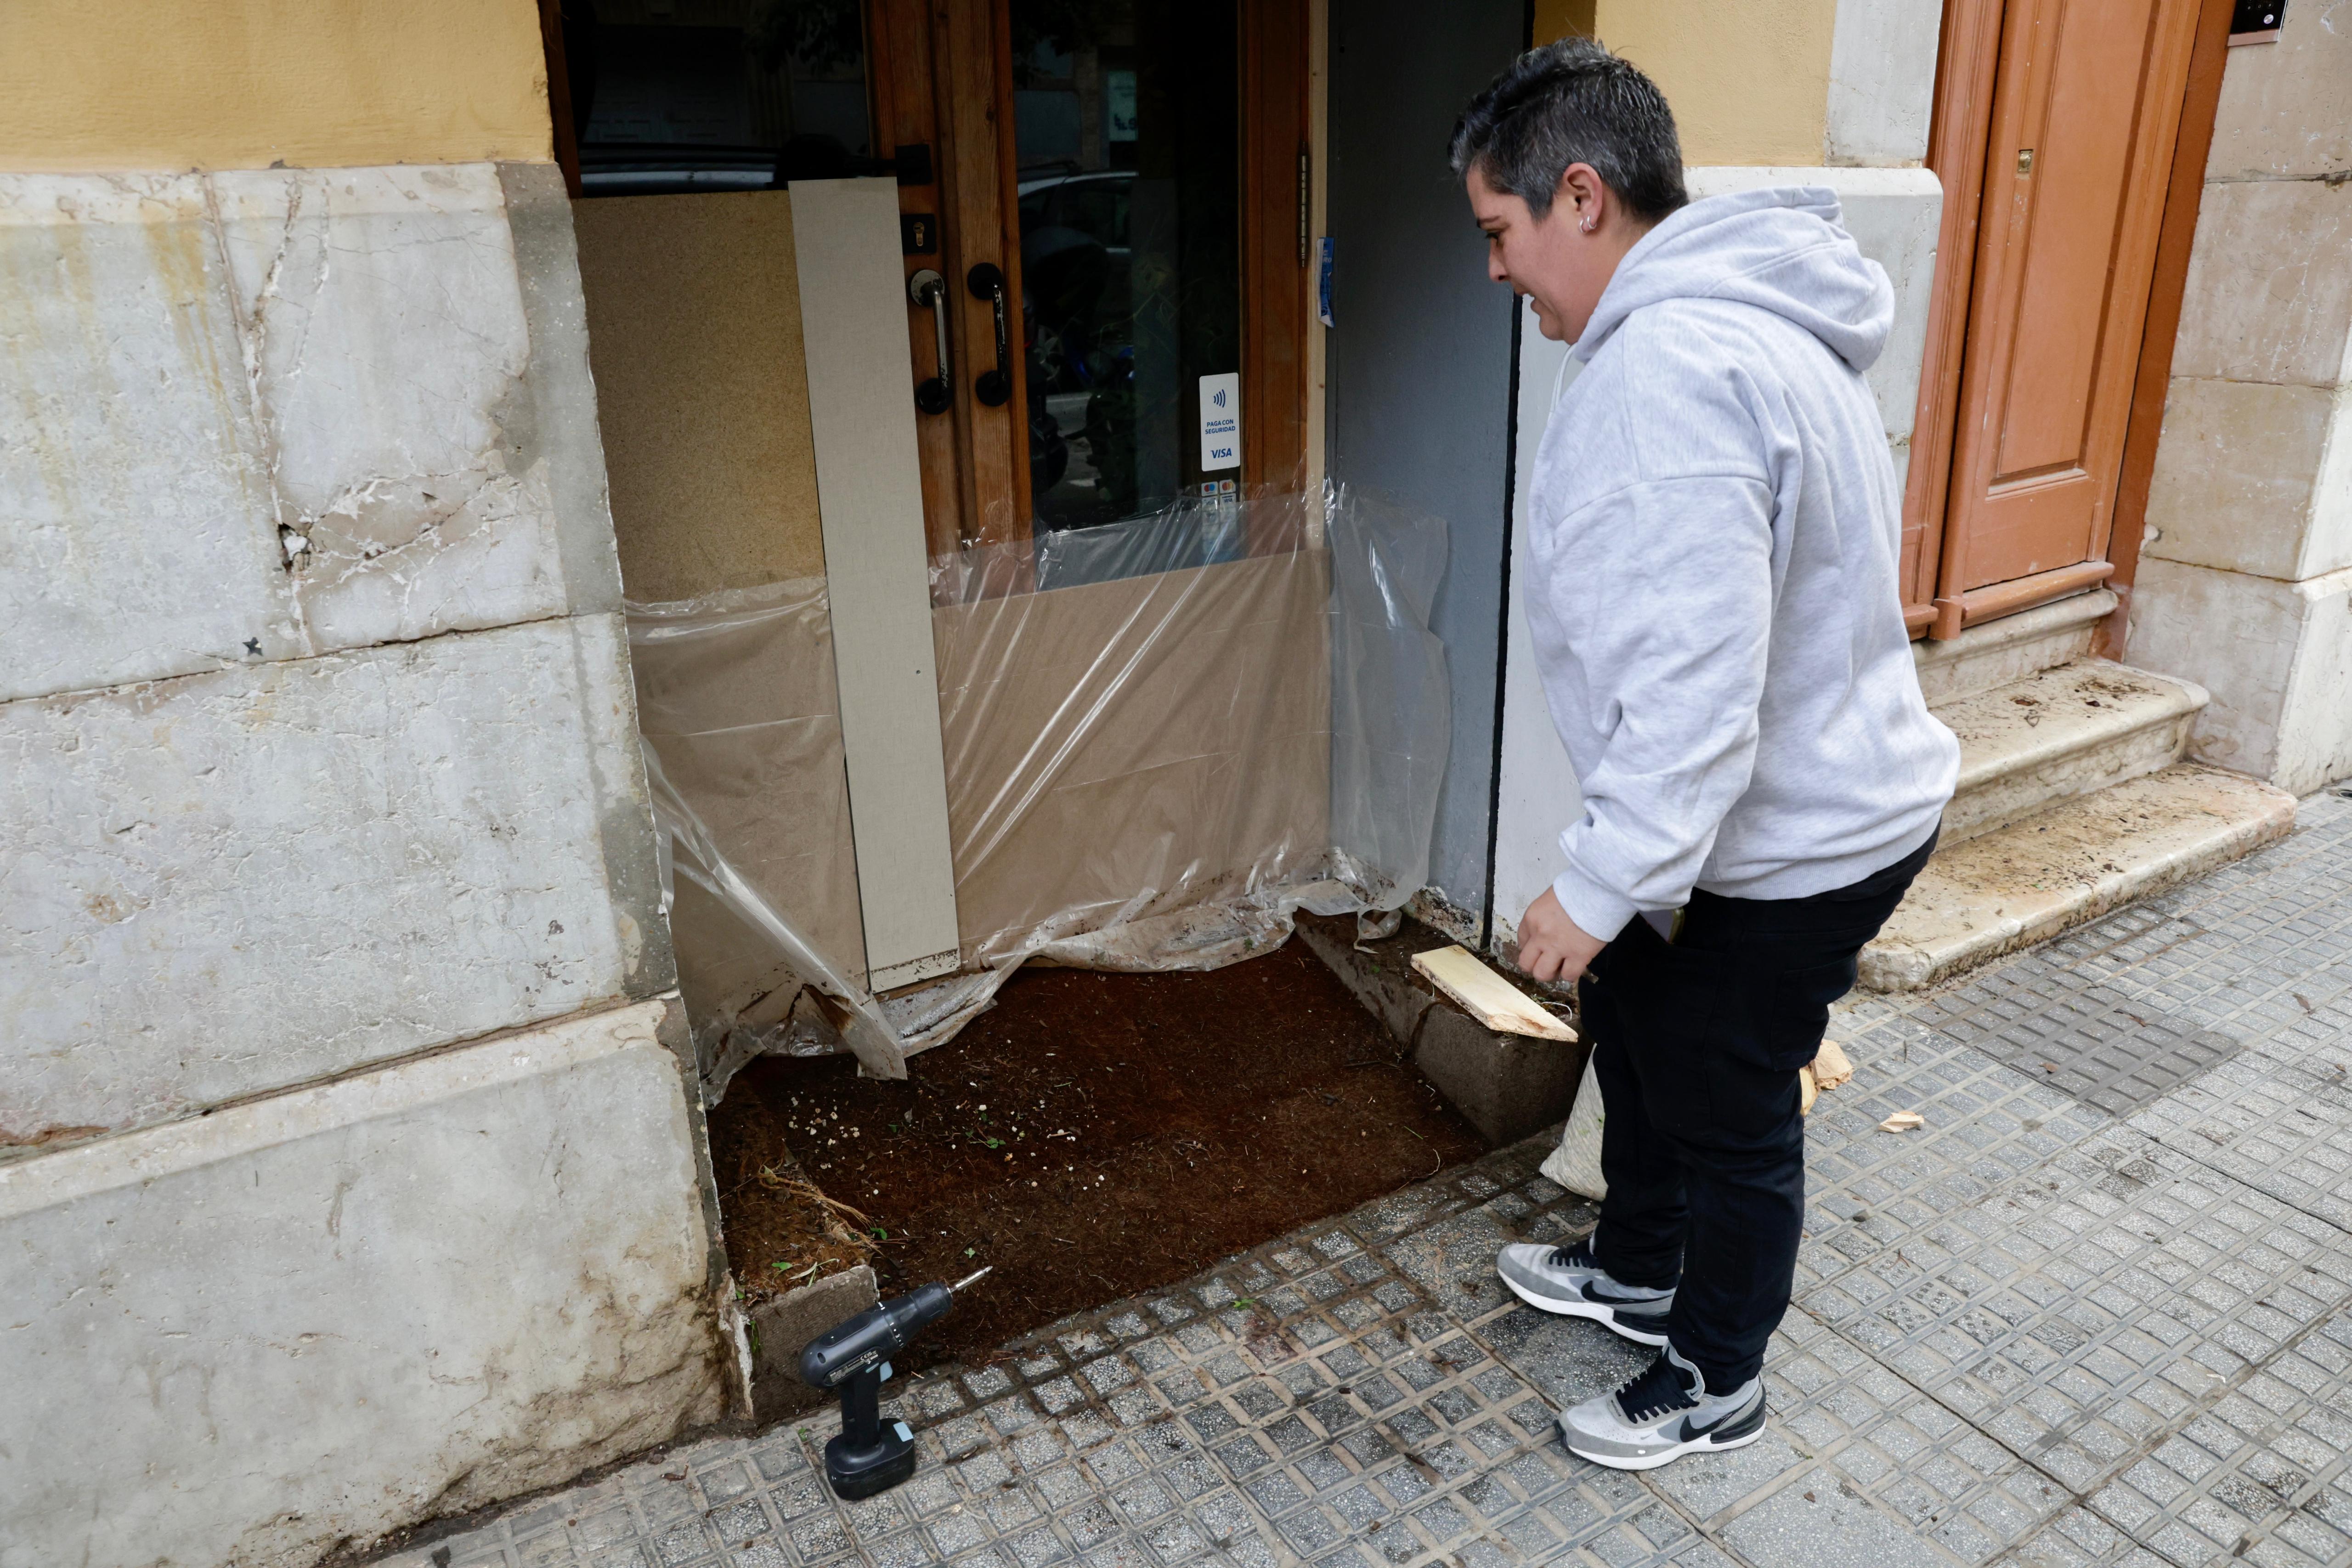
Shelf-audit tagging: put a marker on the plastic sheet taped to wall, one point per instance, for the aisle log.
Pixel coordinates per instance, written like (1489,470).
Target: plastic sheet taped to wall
(1162,737)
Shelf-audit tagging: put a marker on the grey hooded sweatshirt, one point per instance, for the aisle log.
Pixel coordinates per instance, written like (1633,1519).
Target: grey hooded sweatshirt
(1713,537)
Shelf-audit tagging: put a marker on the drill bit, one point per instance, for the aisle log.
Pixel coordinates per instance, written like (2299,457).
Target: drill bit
(957,1289)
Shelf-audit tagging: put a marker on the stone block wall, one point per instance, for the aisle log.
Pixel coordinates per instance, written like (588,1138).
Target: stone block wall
(351,1170)
(2245,576)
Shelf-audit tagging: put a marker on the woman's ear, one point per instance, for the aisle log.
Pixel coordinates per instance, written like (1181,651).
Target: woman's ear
(1587,195)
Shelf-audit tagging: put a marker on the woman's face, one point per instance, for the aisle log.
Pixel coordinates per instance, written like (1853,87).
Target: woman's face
(1562,260)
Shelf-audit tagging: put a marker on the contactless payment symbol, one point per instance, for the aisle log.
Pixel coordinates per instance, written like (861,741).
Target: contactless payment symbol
(1221,422)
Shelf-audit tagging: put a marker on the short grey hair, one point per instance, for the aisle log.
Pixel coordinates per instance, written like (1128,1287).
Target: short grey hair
(1574,102)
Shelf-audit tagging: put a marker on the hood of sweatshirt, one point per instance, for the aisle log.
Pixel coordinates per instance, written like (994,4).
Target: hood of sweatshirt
(1781,249)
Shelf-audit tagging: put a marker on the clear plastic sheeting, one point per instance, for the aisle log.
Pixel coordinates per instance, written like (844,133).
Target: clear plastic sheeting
(1163,737)
(861,1029)
(1391,711)
(737,709)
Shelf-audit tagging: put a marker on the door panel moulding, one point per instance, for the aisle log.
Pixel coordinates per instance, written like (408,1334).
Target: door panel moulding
(2173,127)
(870,500)
(2065,259)
(1995,600)
(1957,131)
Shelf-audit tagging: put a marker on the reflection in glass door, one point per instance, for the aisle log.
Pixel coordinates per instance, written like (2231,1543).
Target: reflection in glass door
(1127,116)
(714,95)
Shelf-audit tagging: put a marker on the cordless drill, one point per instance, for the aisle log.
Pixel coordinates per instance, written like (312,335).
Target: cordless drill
(853,1356)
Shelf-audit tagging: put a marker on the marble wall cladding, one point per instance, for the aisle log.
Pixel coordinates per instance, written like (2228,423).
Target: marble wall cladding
(1882,81)
(2248,527)
(231,882)
(2253,477)
(326,878)
(2275,655)
(284,1330)
(2286,110)
(2268,294)
(269,413)
(136,521)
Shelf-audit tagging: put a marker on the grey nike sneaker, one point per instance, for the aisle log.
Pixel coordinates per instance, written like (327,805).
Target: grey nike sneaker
(1662,1415)
(1566,1280)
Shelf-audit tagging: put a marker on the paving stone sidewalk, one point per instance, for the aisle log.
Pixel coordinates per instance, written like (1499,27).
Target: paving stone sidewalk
(2097,1312)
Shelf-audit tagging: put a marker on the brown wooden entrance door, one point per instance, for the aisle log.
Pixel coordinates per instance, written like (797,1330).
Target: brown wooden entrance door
(1088,238)
(2056,129)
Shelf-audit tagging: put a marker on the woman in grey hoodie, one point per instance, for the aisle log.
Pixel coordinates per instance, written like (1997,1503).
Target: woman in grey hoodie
(1713,533)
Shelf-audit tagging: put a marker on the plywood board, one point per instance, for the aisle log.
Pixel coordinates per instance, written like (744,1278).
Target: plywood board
(693,336)
(1487,996)
(870,498)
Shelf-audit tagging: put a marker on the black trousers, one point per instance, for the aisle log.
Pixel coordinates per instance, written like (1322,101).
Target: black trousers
(1695,1047)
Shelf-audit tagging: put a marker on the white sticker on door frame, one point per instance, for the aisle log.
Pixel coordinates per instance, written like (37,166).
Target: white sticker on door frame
(1221,422)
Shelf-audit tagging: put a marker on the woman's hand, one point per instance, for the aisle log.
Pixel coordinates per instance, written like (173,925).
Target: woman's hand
(1551,945)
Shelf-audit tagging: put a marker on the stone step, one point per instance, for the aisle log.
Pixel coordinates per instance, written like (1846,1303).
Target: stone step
(2070,863)
(2011,647)
(2059,733)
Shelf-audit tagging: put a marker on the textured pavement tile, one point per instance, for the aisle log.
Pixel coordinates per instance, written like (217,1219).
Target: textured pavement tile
(1706,1485)
(2080,1539)
(2114,1253)
(1568,1360)
(1813,1521)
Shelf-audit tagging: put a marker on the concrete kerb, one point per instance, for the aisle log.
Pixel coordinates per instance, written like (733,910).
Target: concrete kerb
(781,1327)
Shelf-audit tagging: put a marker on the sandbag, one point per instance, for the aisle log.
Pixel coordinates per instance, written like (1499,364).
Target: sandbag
(1576,1164)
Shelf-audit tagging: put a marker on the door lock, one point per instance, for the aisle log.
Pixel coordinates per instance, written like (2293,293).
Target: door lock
(927,289)
(993,387)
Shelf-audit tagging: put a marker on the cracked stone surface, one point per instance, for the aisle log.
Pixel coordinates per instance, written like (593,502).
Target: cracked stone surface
(2039,1331)
(263,415)
(315,710)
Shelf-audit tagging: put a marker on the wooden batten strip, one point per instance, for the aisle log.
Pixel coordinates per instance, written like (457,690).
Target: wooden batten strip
(870,498)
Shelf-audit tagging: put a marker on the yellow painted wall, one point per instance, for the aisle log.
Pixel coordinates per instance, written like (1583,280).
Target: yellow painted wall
(1556,19)
(226,84)
(1749,79)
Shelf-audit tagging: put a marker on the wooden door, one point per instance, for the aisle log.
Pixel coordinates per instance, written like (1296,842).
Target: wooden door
(2046,294)
(944,75)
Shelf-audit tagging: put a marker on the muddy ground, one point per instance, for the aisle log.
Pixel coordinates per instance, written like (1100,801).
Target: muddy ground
(1092,1136)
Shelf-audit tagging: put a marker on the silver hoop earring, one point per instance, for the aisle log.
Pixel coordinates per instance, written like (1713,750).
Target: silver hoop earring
(1587,226)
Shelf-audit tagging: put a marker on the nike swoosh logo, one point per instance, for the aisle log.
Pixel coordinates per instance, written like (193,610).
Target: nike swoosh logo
(1691,1430)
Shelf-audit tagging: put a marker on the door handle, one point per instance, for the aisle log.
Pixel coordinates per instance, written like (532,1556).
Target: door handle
(993,387)
(927,289)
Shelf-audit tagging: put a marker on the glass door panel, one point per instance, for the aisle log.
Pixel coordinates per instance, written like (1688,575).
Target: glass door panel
(1127,120)
(715,95)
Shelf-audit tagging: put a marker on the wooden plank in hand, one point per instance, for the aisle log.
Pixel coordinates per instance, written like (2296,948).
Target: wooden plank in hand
(1487,996)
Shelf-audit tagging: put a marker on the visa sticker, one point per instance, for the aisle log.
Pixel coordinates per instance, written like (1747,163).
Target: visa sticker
(1221,422)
